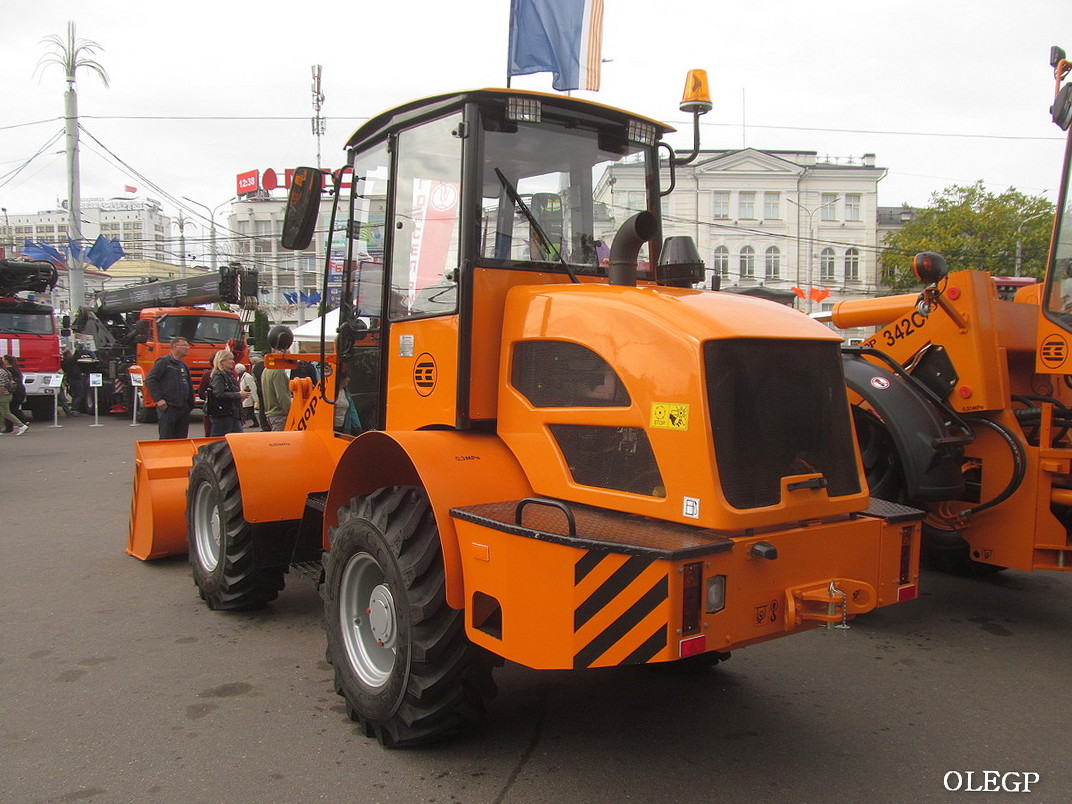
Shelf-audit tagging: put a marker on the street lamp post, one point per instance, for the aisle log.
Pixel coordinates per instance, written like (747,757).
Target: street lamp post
(811,238)
(211,213)
(1020,239)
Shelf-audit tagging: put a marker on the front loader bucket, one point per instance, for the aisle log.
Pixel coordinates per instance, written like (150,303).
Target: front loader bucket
(158,505)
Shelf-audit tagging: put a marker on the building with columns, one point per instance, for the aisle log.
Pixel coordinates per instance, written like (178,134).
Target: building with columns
(777,219)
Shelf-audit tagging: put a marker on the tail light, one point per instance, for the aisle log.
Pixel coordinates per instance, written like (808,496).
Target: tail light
(691,597)
(906,554)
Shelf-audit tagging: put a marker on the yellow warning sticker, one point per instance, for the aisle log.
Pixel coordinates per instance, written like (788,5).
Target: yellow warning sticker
(670,415)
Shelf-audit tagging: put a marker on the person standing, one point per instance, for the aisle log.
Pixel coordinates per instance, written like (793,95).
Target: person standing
(275,397)
(18,392)
(250,403)
(225,398)
(76,384)
(6,384)
(168,382)
(258,372)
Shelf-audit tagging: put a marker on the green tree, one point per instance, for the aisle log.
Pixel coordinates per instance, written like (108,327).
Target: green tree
(260,331)
(972,229)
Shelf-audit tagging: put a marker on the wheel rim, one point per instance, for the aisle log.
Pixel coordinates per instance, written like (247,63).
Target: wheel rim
(368,619)
(207,527)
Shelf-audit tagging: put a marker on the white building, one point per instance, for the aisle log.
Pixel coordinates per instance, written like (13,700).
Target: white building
(255,226)
(139,224)
(780,219)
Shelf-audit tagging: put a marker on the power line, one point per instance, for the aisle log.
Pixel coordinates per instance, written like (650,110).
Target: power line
(877,132)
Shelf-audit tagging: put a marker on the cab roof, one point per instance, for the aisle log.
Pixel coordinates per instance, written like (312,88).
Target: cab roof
(564,105)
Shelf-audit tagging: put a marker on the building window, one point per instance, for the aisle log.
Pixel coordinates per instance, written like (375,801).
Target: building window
(773,263)
(852,206)
(748,263)
(852,265)
(720,204)
(828,203)
(721,262)
(826,265)
(772,206)
(746,205)
(263,237)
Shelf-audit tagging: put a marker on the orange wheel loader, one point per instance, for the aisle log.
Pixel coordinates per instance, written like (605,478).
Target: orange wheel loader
(535,441)
(963,402)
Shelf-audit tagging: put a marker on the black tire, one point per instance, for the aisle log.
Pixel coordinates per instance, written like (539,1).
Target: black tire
(882,465)
(146,415)
(220,540)
(41,407)
(941,549)
(947,551)
(402,660)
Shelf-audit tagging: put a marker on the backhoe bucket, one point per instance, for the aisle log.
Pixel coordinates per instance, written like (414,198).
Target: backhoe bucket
(158,506)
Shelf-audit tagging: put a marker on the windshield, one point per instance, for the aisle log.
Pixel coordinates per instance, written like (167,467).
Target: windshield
(27,323)
(198,328)
(550,194)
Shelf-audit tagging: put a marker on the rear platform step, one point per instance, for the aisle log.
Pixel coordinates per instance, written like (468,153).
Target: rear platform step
(311,571)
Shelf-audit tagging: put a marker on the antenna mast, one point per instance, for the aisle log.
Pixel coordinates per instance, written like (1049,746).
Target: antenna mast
(319,124)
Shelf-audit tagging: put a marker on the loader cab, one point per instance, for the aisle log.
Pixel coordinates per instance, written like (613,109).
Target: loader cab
(454,200)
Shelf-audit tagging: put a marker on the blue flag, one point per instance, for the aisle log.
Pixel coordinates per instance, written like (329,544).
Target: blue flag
(43,251)
(562,37)
(104,253)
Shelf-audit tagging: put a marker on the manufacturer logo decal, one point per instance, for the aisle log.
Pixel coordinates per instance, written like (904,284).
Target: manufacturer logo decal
(424,374)
(1054,351)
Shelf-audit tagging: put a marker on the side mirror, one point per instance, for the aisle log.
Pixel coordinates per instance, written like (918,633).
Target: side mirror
(303,206)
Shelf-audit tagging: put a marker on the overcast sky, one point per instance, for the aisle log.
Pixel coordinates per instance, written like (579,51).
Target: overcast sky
(942,91)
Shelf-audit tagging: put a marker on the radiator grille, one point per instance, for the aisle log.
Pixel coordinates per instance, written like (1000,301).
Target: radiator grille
(778,408)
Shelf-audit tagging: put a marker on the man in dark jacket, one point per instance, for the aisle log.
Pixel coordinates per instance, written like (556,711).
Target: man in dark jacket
(168,382)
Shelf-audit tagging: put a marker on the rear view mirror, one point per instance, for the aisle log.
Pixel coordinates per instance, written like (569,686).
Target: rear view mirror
(303,206)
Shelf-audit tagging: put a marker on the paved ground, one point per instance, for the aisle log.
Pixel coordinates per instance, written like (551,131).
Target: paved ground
(118,685)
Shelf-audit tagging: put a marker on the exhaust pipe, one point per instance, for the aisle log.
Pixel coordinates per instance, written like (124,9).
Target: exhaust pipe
(636,231)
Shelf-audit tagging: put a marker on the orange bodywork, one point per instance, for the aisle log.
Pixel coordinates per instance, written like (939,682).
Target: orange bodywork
(992,346)
(612,591)
(562,602)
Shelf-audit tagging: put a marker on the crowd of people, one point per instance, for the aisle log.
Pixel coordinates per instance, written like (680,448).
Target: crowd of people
(71,396)
(234,397)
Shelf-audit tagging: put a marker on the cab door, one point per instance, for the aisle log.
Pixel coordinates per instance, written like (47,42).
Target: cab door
(398,351)
(422,296)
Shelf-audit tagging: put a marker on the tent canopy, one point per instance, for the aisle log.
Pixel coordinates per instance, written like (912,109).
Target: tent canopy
(310,330)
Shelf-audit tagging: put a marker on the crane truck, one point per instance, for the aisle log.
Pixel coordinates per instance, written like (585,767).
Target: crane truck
(963,400)
(28,330)
(128,328)
(529,446)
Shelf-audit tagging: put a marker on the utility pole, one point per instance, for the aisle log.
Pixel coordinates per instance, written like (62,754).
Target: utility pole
(70,54)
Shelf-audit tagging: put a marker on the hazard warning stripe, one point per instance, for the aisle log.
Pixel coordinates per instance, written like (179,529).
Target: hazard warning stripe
(649,648)
(629,620)
(588,562)
(609,589)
